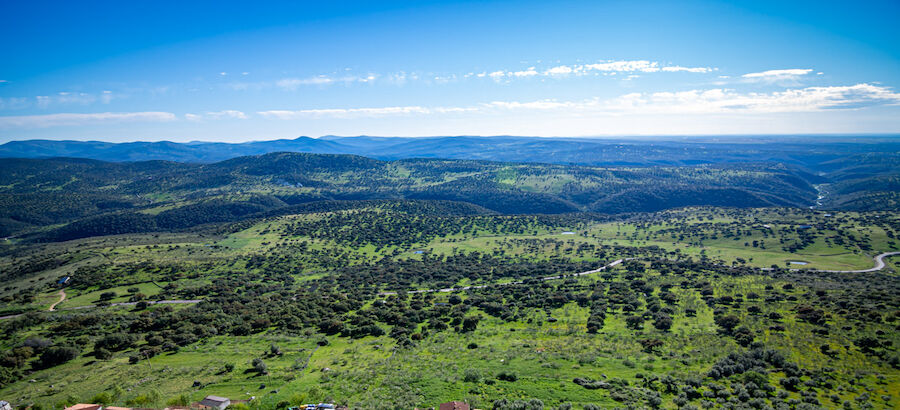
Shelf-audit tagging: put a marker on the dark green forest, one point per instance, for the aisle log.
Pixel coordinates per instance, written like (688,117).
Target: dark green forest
(61,199)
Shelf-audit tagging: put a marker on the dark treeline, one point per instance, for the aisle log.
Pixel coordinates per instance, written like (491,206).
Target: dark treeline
(127,196)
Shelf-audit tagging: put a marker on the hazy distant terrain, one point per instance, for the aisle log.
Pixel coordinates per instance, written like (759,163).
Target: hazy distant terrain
(815,152)
(611,176)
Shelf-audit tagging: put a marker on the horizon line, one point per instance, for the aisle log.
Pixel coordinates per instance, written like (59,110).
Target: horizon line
(561,137)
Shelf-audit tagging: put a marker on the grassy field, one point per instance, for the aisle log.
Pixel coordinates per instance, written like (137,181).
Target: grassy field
(545,348)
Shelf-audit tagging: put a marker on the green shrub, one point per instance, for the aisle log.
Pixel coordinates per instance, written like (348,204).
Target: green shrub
(56,355)
(507,376)
(182,400)
(472,376)
(102,354)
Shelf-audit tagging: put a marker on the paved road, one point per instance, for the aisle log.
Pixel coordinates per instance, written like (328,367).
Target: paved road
(879,265)
(445,290)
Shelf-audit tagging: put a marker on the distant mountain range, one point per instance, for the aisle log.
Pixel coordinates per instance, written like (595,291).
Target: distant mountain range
(811,152)
(859,173)
(141,186)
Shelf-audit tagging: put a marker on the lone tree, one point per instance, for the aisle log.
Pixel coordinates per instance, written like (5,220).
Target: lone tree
(259,366)
(727,323)
(635,322)
(662,321)
(102,354)
(650,345)
(56,355)
(470,323)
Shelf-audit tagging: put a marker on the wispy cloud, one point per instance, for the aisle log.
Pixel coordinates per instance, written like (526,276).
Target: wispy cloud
(361,112)
(14,103)
(808,99)
(68,119)
(691,102)
(789,76)
(607,68)
(217,115)
(709,101)
(64,98)
(294,83)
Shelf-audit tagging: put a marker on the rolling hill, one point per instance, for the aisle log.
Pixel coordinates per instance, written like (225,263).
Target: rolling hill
(64,198)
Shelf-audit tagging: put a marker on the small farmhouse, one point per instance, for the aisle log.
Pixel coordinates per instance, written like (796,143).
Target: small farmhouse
(454,405)
(215,402)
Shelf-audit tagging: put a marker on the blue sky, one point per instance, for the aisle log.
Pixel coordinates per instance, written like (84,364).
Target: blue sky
(223,71)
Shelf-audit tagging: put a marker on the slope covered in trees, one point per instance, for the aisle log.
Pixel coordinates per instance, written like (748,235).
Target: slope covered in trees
(409,303)
(92,198)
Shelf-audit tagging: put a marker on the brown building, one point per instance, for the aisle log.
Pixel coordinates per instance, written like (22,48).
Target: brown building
(454,405)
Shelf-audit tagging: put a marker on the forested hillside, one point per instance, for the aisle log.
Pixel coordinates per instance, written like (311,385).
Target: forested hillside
(61,199)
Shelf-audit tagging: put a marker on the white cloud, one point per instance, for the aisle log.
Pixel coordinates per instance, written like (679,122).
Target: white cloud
(532,105)
(720,100)
(216,115)
(530,72)
(601,68)
(241,86)
(709,101)
(677,68)
(54,120)
(292,84)
(787,76)
(642,66)
(226,114)
(65,97)
(360,112)
(497,75)
(3,81)
(560,70)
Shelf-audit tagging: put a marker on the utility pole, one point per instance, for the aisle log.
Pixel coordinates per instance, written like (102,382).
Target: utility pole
(147,355)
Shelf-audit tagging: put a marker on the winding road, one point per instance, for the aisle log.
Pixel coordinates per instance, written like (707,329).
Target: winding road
(62,297)
(879,265)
